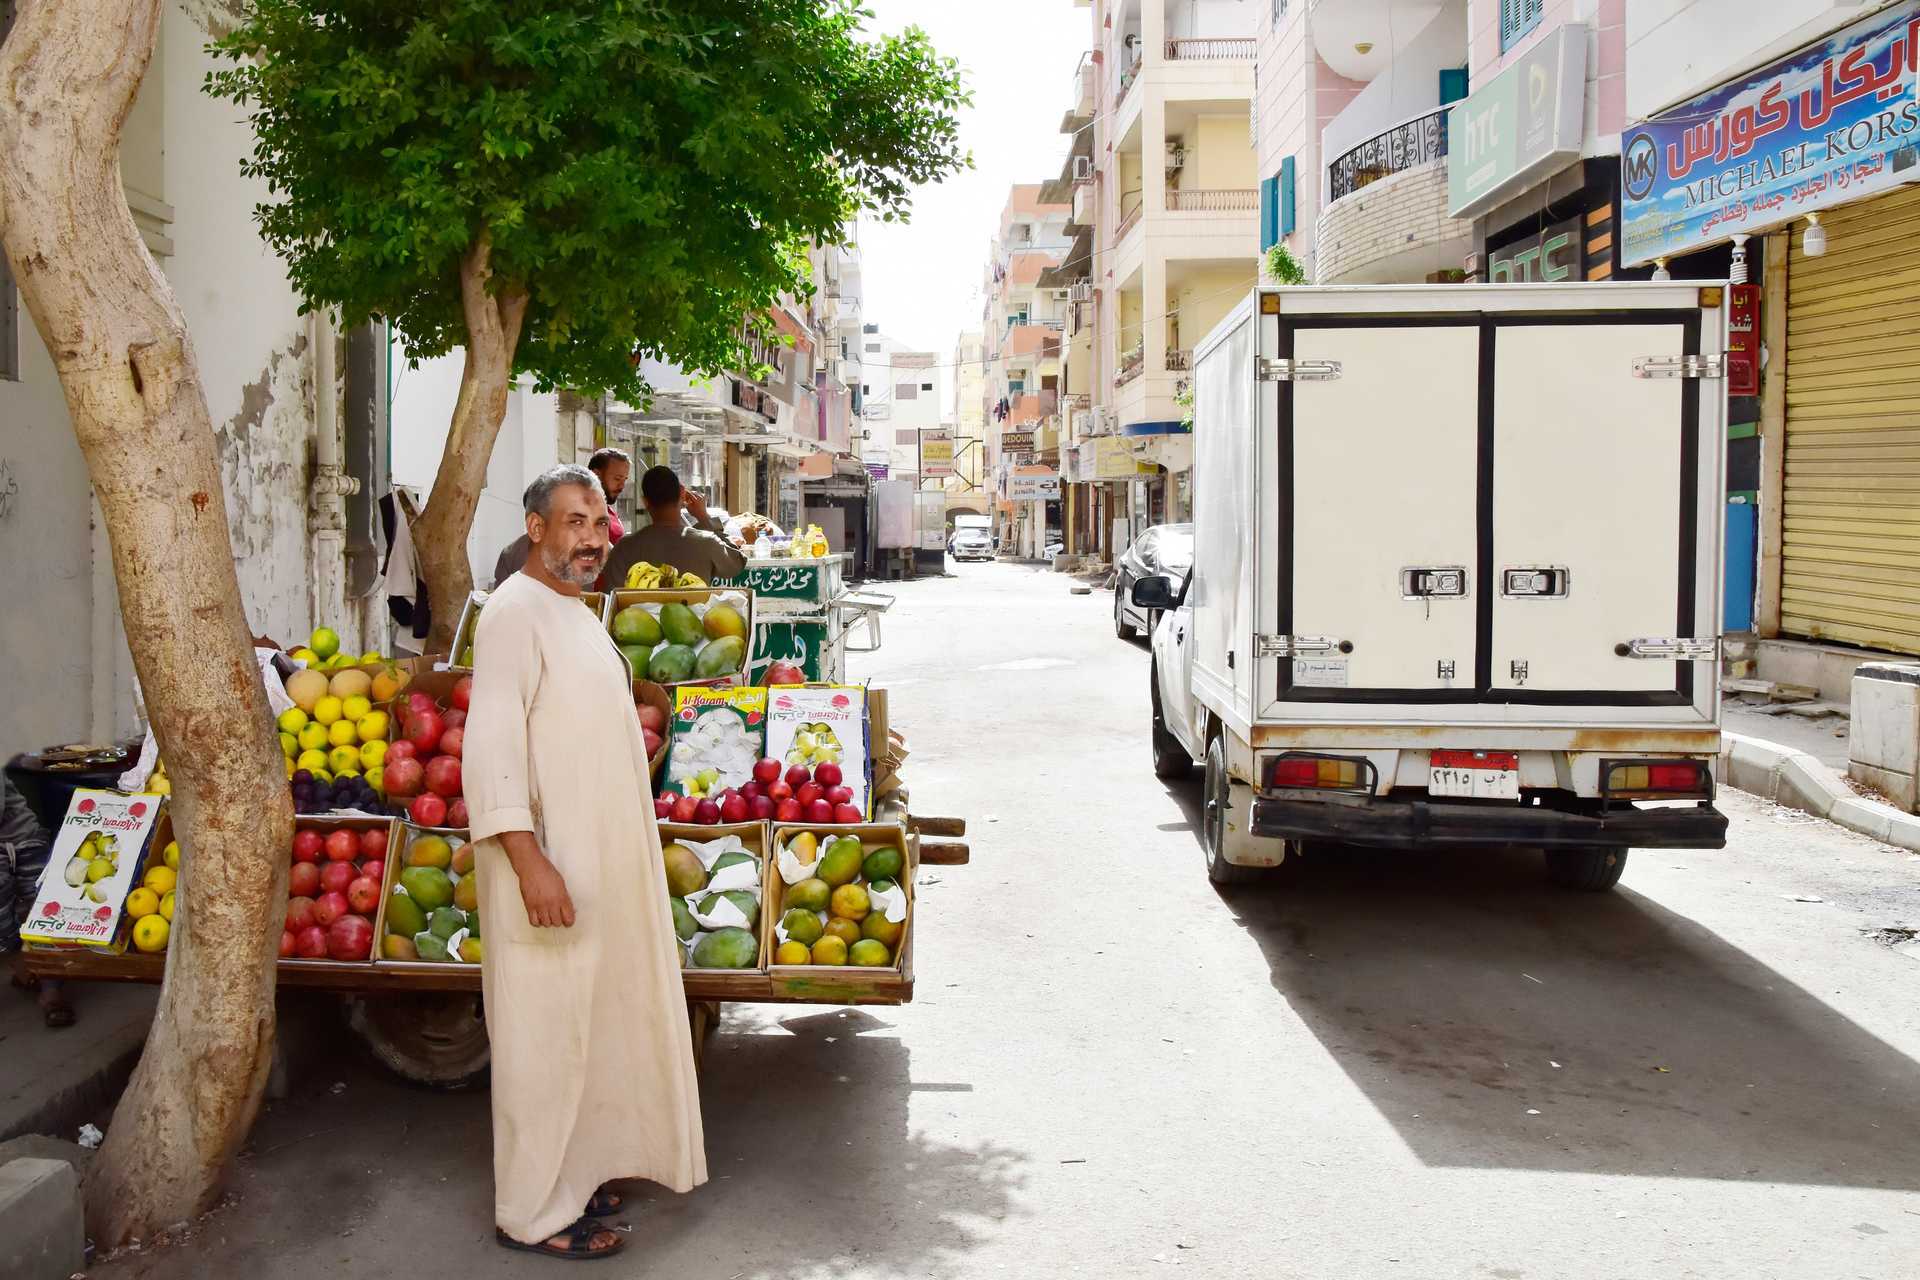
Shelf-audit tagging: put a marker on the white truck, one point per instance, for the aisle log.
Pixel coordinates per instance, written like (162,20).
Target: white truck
(1456,574)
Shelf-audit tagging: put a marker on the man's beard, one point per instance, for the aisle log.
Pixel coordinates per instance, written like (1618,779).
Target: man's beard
(572,570)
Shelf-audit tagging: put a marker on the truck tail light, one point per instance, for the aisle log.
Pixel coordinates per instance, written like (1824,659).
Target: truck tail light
(1296,771)
(1655,780)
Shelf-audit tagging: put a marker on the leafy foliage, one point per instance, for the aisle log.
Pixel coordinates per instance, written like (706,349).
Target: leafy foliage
(1283,267)
(650,171)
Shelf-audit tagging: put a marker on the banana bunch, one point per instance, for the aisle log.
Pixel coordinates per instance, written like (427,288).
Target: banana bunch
(655,577)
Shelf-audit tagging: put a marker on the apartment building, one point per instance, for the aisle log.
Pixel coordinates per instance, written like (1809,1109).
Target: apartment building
(967,489)
(900,399)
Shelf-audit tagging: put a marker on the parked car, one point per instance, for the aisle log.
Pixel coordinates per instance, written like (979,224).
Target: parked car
(970,544)
(1164,551)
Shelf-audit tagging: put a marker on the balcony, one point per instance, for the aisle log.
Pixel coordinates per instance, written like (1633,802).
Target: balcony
(1212,49)
(1222,200)
(1130,207)
(1179,361)
(1386,217)
(1084,95)
(1131,363)
(1407,145)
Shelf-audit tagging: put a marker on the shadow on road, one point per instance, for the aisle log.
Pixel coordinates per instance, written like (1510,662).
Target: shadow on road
(1498,1022)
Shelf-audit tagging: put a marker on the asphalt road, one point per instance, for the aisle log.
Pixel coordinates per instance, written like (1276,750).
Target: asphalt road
(1388,1066)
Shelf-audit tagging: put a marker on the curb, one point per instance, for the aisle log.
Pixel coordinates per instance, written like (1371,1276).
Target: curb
(1799,781)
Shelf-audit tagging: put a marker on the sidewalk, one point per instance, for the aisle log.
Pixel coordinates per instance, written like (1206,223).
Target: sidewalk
(56,1081)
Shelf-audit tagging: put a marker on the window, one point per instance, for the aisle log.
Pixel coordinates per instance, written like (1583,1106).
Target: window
(906,435)
(1517,18)
(906,391)
(926,386)
(865,390)
(1453,84)
(872,347)
(1279,12)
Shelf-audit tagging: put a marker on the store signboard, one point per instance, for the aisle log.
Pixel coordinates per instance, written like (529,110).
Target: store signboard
(1039,487)
(1113,459)
(1547,256)
(1521,126)
(1836,121)
(936,454)
(1016,441)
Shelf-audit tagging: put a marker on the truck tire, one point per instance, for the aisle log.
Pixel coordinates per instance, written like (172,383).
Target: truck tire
(1216,799)
(1121,627)
(1590,870)
(1170,760)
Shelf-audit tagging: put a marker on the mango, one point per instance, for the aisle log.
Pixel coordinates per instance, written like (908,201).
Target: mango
(727,949)
(672,664)
(679,625)
(473,922)
(726,860)
(724,620)
(850,902)
(466,893)
(882,930)
(431,948)
(633,625)
(471,950)
(844,929)
(830,950)
(802,926)
(882,862)
(720,658)
(742,899)
(684,925)
(869,954)
(793,953)
(812,894)
(430,851)
(686,874)
(637,656)
(404,916)
(395,947)
(429,887)
(841,863)
(446,922)
(462,863)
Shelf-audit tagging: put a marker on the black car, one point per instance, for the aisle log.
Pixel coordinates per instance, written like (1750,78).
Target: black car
(1164,551)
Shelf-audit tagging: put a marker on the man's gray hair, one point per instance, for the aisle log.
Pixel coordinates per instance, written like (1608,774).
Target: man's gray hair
(538,499)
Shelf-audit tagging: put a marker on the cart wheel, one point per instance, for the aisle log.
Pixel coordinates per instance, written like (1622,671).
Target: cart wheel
(1217,799)
(436,1039)
(703,1019)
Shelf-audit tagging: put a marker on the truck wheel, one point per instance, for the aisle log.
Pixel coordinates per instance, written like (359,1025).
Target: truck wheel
(1120,625)
(436,1039)
(1170,760)
(1217,799)
(1591,870)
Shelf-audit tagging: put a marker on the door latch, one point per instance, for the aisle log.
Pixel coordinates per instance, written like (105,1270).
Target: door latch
(1439,582)
(1544,583)
(1680,367)
(1686,650)
(1271,370)
(1269,646)
(1518,669)
(1443,669)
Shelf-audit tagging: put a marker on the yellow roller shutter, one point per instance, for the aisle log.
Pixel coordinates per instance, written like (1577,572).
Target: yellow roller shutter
(1851,553)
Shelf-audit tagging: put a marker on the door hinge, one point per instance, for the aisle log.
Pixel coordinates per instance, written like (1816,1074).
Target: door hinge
(1686,650)
(1267,646)
(1680,367)
(1271,370)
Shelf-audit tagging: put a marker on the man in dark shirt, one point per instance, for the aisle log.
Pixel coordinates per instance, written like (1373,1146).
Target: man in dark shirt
(698,548)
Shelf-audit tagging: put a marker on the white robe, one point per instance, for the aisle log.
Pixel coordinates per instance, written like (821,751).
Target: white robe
(593,1075)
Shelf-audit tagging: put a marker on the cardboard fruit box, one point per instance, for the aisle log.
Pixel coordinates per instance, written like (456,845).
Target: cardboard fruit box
(754,836)
(77,906)
(656,696)
(773,899)
(397,865)
(326,826)
(698,599)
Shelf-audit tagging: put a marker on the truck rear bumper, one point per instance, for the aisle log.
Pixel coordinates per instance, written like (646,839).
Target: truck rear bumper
(1439,824)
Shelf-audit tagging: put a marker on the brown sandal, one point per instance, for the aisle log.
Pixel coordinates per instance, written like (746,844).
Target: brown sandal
(578,1246)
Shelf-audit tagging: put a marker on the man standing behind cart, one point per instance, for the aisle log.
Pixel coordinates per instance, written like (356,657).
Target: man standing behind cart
(698,548)
(593,1076)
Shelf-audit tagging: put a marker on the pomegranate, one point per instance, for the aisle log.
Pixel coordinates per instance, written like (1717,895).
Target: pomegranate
(828,774)
(653,741)
(286,943)
(343,846)
(401,750)
(752,789)
(363,895)
(454,719)
(778,791)
(308,845)
(311,943)
(706,813)
(819,811)
(418,702)
(373,842)
(452,740)
(304,880)
(462,693)
(336,876)
(350,938)
(443,776)
(300,913)
(663,807)
(760,809)
(766,770)
(425,730)
(404,777)
(787,810)
(329,907)
(652,717)
(848,814)
(375,869)
(457,813)
(798,777)
(734,809)
(428,810)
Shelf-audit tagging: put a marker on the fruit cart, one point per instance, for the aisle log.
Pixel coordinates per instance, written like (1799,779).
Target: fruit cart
(808,617)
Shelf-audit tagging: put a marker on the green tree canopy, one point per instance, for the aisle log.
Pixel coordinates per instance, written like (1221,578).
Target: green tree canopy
(648,171)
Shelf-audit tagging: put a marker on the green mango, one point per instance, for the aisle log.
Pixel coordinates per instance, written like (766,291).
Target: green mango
(637,656)
(741,898)
(803,926)
(429,887)
(633,625)
(404,916)
(727,949)
(726,860)
(684,925)
(446,922)
(680,626)
(721,658)
(473,923)
(671,665)
(882,863)
(428,947)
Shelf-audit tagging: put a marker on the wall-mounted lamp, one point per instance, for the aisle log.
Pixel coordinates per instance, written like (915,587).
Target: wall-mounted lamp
(1814,242)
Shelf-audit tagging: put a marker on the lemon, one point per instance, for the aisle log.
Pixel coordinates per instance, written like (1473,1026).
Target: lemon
(166,906)
(324,641)
(161,785)
(327,710)
(98,869)
(371,657)
(341,759)
(372,727)
(311,761)
(160,879)
(142,902)
(171,854)
(793,953)
(356,707)
(313,738)
(373,754)
(288,761)
(289,745)
(150,933)
(347,773)
(306,655)
(377,779)
(341,733)
(292,720)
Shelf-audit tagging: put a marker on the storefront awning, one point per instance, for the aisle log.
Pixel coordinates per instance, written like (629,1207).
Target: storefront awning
(1165,427)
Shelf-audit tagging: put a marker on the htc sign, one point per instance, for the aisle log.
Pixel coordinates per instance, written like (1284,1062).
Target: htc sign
(1521,126)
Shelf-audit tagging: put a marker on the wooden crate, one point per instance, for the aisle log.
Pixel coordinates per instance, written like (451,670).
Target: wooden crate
(405,835)
(754,836)
(327,825)
(820,978)
(618,600)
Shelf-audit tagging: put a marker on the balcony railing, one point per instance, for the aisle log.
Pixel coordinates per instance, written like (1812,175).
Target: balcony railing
(1179,361)
(1211,49)
(1217,200)
(1083,82)
(1130,365)
(1416,142)
(1130,206)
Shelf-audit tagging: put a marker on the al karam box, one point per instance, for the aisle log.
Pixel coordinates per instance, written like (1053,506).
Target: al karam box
(714,739)
(819,724)
(98,855)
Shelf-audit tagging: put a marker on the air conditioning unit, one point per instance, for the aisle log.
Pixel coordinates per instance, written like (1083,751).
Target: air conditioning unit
(1083,168)
(1082,291)
(1062,295)
(1176,156)
(866,433)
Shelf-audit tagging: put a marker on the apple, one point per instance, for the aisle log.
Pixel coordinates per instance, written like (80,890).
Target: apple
(300,913)
(652,717)
(343,846)
(653,741)
(454,719)
(734,809)
(760,809)
(401,749)
(404,777)
(363,895)
(329,907)
(838,796)
(819,811)
(311,943)
(428,810)
(374,869)
(373,842)
(798,776)
(706,813)
(425,731)
(663,807)
(452,740)
(443,776)
(828,774)
(350,938)
(783,672)
(304,880)
(684,807)
(787,810)
(308,845)
(766,770)
(807,794)
(336,876)
(286,943)
(778,791)
(462,693)
(847,814)
(457,813)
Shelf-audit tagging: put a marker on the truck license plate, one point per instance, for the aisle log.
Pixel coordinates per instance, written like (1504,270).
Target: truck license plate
(1474,775)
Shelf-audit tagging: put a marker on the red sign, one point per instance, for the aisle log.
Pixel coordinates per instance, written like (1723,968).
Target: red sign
(1743,340)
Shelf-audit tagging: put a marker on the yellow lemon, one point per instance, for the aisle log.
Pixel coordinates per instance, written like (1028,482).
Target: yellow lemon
(341,759)
(142,902)
(356,707)
(327,710)
(292,720)
(305,655)
(311,761)
(313,738)
(372,727)
(324,641)
(289,745)
(793,953)
(166,906)
(98,869)
(371,657)
(341,734)
(161,785)
(288,761)
(150,932)
(171,854)
(377,779)
(321,775)
(373,754)
(160,879)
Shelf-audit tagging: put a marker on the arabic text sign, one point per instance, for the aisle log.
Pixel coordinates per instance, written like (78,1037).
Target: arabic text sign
(1834,122)
(936,454)
(1034,488)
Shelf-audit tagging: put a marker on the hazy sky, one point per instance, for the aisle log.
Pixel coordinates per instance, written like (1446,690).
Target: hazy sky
(922,280)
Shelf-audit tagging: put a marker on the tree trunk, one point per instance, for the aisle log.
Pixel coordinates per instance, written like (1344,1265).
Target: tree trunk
(68,75)
(440,535)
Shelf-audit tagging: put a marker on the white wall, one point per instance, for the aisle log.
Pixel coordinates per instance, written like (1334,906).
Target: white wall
(1410,85)
(1188,18)
(1676,48)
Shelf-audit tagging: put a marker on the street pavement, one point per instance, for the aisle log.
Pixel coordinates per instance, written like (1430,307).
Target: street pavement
(1384,1066)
